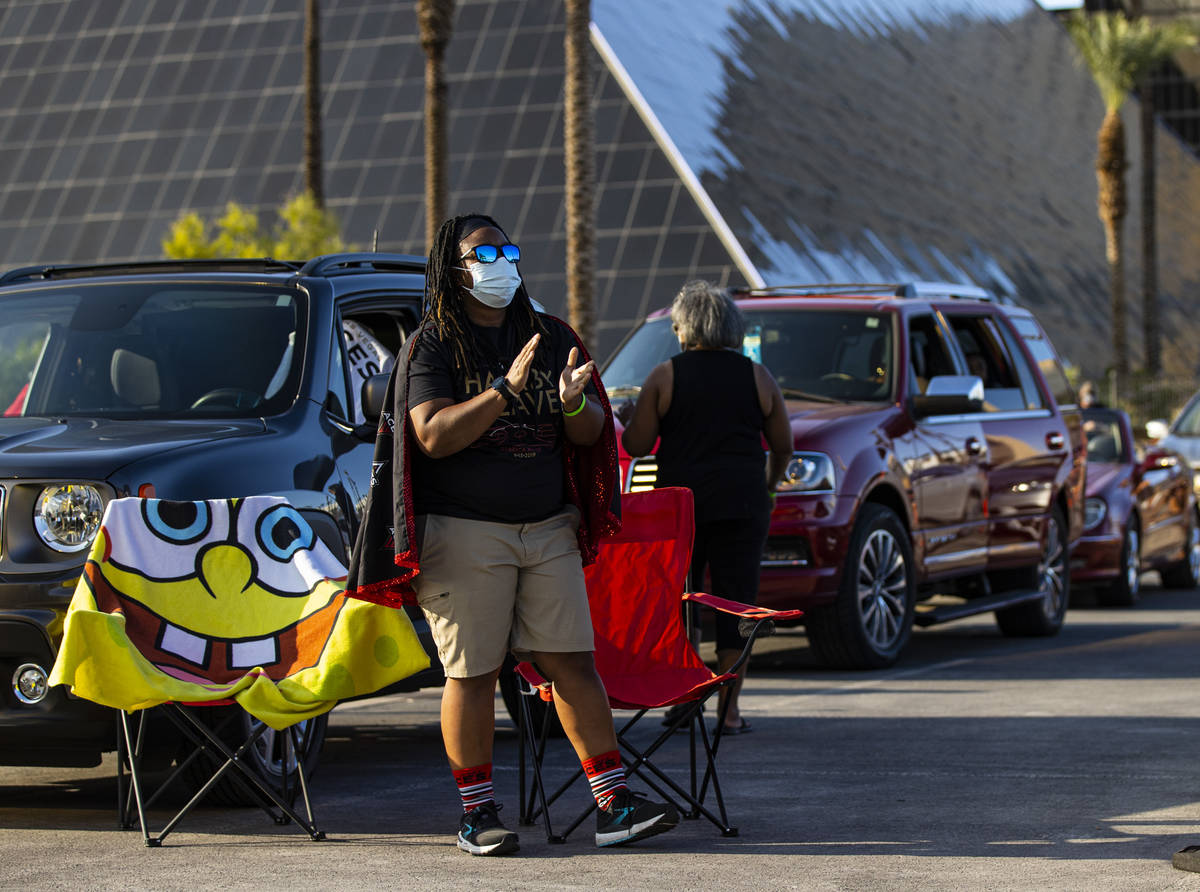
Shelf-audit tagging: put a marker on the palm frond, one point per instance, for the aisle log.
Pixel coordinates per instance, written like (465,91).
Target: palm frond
(1119,52)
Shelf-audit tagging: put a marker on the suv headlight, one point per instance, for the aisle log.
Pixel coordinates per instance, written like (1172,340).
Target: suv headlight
(67,516)
(808,472)
(1094,511)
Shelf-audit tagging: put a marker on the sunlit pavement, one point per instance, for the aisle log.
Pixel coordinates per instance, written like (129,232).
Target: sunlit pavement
(977,762)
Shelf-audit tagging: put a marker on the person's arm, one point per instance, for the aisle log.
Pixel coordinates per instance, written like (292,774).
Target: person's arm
(443,427)
(583,419)
(777,427)
(641,432)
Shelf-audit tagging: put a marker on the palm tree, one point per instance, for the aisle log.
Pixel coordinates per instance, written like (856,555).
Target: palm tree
(1118,52)
(436,21)
(581,172)
(313,161)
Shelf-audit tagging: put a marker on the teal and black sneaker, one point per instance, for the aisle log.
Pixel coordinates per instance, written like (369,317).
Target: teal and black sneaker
(631,816)
(481,833)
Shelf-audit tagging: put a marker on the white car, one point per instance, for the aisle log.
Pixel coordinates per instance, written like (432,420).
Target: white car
(1183,435)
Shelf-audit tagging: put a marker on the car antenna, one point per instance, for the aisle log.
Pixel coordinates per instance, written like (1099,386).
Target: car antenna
(375,242)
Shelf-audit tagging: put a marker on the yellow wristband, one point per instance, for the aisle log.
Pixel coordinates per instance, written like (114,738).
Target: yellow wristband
(582,403)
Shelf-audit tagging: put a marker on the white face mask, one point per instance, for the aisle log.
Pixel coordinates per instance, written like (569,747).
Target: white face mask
(495,282)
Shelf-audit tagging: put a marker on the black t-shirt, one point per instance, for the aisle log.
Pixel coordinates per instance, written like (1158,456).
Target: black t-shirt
(514,472)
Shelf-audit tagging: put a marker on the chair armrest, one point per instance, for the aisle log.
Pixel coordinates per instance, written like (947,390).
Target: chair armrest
(533,678)
(737,608)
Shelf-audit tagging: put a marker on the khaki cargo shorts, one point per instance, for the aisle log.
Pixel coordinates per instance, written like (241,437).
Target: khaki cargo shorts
(488,588)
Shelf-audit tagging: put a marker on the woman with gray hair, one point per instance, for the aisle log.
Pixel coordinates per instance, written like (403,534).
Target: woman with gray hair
(710,408)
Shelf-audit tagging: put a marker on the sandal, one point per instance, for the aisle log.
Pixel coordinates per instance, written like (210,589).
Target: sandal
(743,728)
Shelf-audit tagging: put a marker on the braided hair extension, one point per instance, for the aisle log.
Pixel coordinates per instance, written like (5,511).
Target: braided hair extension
(445,304)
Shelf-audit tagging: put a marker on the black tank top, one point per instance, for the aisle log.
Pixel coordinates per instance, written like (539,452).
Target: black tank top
(711,436)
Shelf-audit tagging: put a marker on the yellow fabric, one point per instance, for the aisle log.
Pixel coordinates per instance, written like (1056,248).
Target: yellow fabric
(153,620)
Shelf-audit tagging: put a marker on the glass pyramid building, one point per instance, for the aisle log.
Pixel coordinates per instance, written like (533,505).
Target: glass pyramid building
(749,142)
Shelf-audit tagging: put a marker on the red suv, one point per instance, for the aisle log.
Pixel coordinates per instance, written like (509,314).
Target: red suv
(938,468)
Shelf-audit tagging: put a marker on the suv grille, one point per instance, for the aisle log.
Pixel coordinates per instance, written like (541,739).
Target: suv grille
(643,473)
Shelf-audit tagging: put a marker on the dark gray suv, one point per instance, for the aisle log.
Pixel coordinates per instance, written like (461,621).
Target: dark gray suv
(182,380)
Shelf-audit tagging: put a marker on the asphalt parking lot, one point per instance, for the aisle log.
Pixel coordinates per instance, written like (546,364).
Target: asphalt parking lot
(978,762)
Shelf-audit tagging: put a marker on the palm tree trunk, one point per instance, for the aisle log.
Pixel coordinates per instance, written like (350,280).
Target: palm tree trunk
(580,173)
(436,147)
(1113,204)
(314,178)
(436,19)
(1150,319)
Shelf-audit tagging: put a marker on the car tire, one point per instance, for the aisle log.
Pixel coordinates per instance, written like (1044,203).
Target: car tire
(266,757)
(538,708)
(1043,617)
(1126,588)
(1186,573)
(871,621)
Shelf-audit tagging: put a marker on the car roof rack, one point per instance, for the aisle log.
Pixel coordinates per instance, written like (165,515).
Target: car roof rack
(232,264)
(882,289)
(325,265)
(361,262)
(945,289)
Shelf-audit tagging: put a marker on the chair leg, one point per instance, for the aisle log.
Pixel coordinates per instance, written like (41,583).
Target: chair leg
(711,773)
(208,743)
(203,748)
(641,760)
(134,779)
(234,760)
(294,738)
(124,793)
(527,739)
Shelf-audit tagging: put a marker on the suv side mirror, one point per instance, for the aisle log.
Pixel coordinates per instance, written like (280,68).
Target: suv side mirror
(374,389)
(1157,429)
(949,395)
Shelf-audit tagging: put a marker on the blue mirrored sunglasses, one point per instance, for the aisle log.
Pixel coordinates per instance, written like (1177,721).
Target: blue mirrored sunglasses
(489,253)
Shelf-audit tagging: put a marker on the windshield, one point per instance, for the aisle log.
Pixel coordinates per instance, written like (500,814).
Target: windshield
(1188,423)
(823,355)
(150,351)
(1104,440)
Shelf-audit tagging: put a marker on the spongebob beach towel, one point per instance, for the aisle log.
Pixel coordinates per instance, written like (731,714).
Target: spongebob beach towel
(229,599)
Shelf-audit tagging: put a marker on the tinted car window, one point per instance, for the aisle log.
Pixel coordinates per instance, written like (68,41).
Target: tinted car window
(1034,399)
(1188,423)
(155,350)
(1047,360)
(927,352)
(822,354)
(834,354)
(1104,440)
(21,345)
(989,359)
(651,343)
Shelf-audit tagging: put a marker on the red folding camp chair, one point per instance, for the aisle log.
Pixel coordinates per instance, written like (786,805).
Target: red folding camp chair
(646,658)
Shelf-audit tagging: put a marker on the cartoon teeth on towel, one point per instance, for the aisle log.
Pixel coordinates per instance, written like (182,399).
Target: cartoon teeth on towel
(203,600)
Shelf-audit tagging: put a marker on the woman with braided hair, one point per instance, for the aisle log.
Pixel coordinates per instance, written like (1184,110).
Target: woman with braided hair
(502,458)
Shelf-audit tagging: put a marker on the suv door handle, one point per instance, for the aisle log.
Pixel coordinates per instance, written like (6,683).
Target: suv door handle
(974,446)
(1054,440)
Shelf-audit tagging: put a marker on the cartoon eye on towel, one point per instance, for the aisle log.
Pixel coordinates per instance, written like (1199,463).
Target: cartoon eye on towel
(217,587)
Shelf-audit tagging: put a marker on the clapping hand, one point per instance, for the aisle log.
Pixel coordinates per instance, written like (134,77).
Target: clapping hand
(518,372)
(572,380)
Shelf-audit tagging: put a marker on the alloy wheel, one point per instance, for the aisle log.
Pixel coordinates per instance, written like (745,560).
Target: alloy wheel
(1052,571)
(271,754)
(1133,561)
(882,589)
(1194,549)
